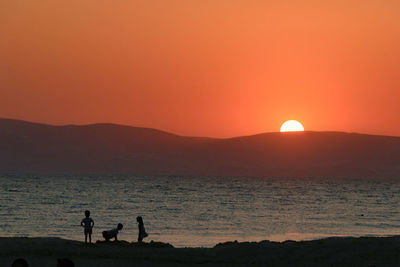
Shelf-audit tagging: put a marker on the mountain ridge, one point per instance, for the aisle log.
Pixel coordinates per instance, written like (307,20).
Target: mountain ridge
(112,148)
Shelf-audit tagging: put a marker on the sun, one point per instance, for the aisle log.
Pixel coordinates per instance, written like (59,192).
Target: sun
(292,126)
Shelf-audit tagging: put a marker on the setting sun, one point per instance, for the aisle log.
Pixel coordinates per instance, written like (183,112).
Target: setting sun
(292,126)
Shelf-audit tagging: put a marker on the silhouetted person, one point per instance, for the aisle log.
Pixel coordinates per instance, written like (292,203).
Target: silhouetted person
(20,263)
(112,233)
(142,232)
(65,263)
(87,223)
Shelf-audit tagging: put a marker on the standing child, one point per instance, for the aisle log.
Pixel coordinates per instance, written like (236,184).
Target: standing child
(142,231)
(87,223)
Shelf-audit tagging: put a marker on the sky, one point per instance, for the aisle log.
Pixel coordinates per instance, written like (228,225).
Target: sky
(217,68)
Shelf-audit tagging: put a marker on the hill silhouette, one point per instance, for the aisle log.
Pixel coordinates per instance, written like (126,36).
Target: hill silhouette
(27,147)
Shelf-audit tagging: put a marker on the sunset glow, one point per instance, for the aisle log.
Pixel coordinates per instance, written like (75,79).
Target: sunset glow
(203,68)
(236,120)
(292,126)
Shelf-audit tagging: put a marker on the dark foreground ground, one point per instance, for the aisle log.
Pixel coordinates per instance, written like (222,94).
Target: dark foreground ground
(365,251)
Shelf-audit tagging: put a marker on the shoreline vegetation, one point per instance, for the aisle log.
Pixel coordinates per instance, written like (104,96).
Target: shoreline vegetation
(333,251)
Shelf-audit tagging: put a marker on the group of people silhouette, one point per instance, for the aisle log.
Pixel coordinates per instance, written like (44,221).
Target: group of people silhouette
(87,223)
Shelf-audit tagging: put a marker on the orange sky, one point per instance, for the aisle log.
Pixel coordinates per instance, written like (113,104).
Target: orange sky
(203,67)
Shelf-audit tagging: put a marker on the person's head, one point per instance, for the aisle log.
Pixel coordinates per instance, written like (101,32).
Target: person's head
(139,219)
(120,226)
(20,263)
(65,263)
(87,213)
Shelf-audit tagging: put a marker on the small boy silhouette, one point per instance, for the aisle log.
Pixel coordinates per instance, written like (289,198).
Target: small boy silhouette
(112,233)
(87,223)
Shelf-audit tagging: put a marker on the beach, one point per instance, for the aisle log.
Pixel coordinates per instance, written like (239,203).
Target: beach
(345,251)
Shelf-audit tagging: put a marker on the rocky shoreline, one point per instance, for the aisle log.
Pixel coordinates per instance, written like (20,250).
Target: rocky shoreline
(334,251)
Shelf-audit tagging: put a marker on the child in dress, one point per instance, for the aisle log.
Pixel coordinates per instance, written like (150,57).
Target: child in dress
(142,231)
(87,223)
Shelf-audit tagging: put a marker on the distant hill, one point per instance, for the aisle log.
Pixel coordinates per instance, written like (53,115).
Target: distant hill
(108,148)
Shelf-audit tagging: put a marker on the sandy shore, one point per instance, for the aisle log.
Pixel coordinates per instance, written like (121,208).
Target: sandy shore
(365,251)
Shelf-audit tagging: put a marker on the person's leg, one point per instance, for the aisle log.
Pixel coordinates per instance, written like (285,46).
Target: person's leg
(105,236)
(85,237)
(139,239)
(90,237)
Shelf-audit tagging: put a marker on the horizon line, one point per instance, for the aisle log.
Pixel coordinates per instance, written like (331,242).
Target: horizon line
(172,133)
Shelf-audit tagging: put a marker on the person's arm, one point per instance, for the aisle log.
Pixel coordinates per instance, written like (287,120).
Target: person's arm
(92,223)
(82,223)
(116,239)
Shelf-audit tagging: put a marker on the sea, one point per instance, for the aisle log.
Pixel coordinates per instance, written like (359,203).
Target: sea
(199,211)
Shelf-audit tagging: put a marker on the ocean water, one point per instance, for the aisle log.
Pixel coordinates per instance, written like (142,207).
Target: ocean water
(199,211)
